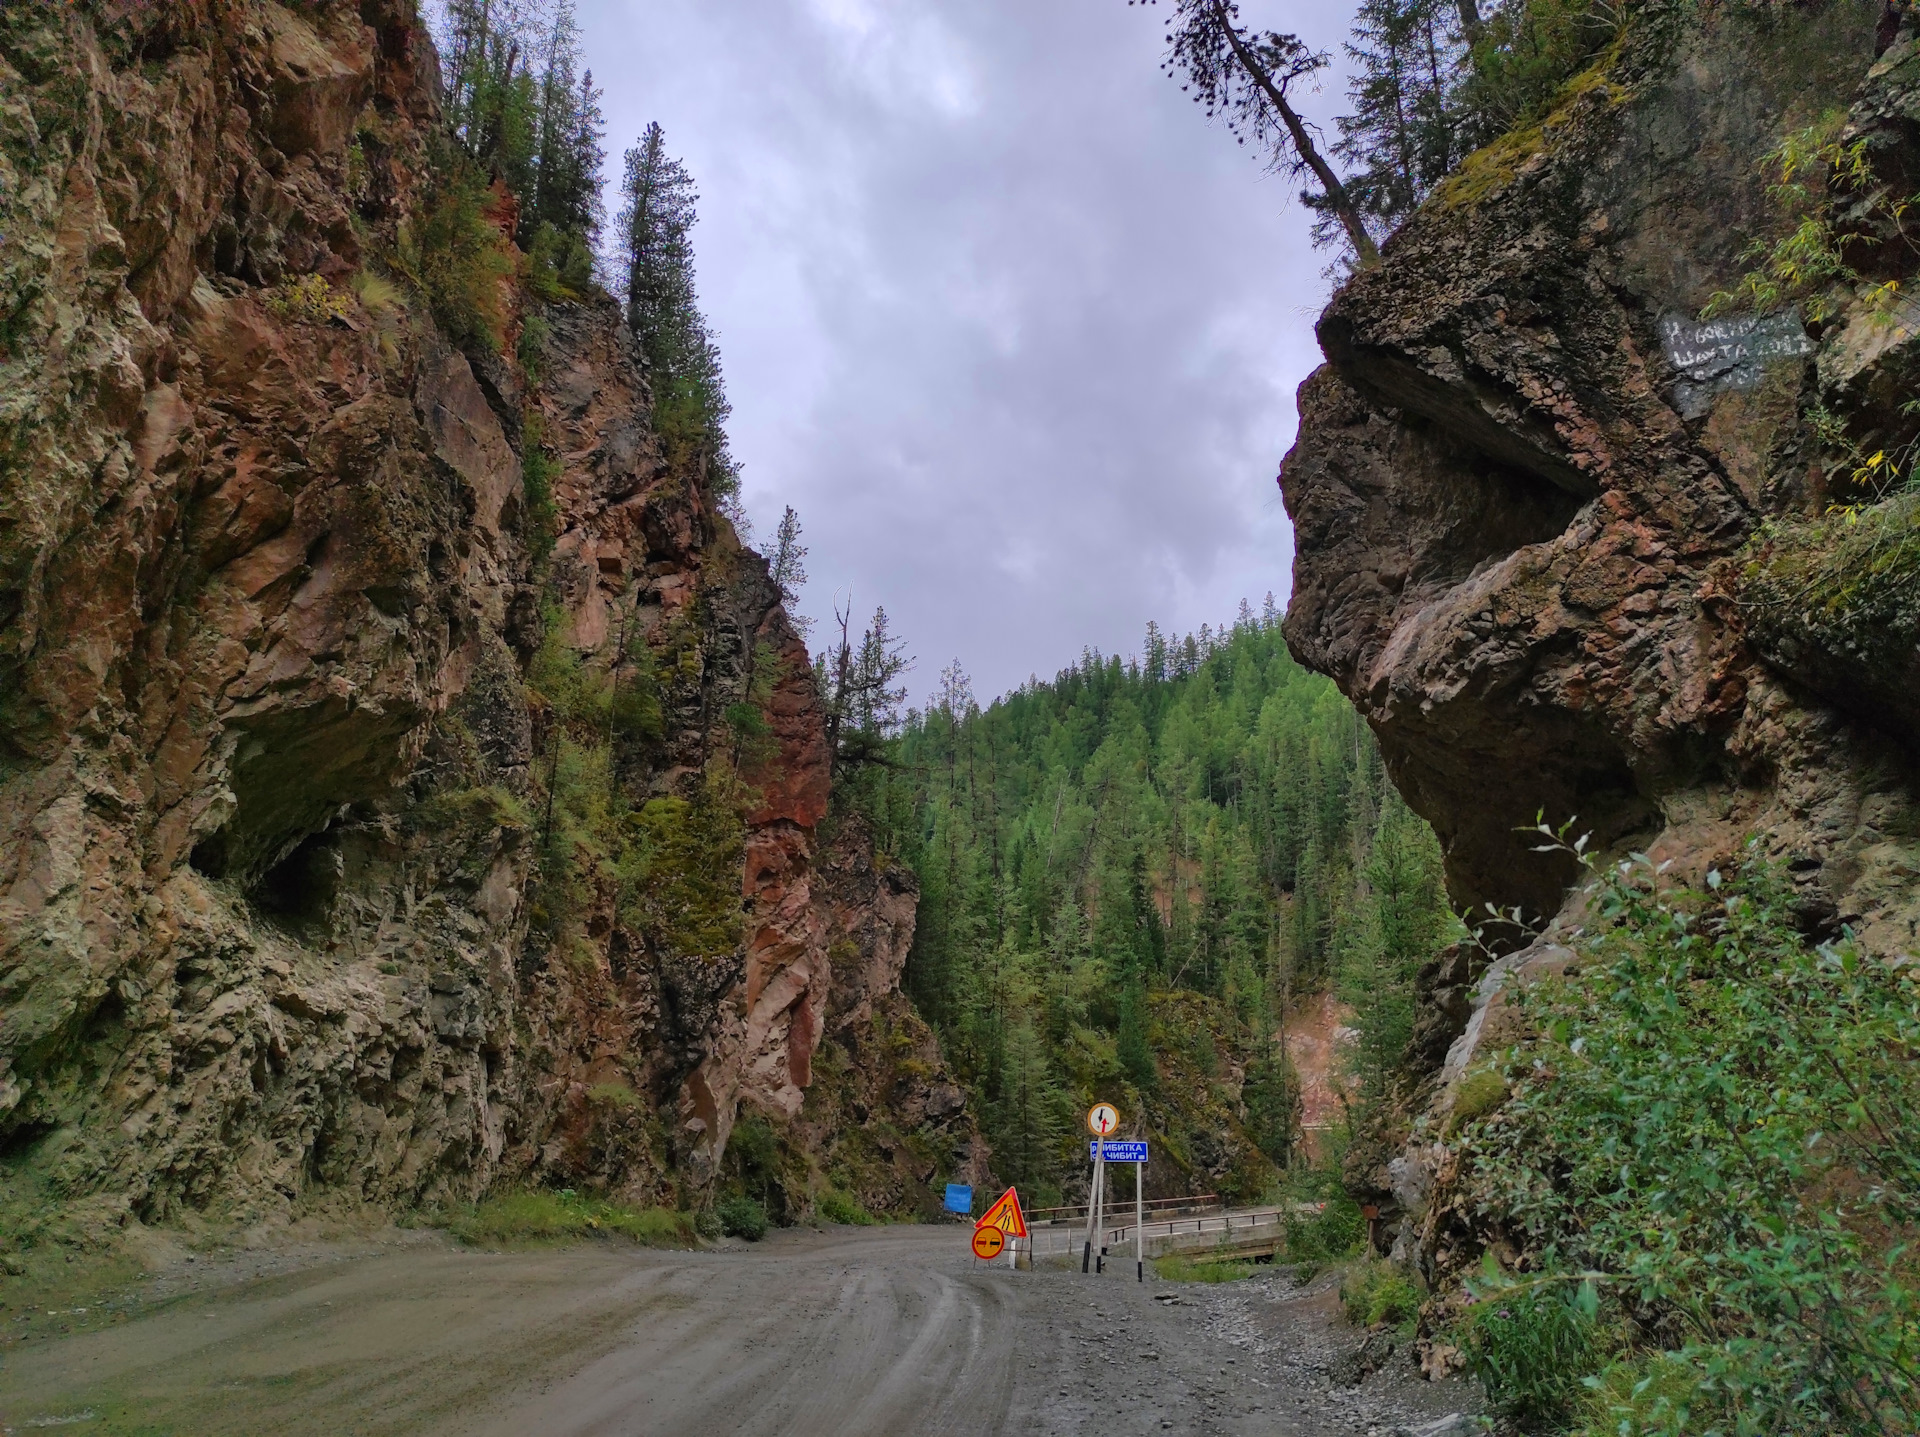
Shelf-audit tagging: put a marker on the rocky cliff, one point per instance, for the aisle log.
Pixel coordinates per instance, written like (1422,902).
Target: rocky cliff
(1562,541)
(318,879)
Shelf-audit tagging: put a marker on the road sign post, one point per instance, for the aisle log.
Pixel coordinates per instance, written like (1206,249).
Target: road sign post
(1140,1217)
(1103,1119)
(1007,1222)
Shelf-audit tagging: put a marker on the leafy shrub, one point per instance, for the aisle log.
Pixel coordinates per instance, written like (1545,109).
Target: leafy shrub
(1651,1392)
(842,1207)
(1377,1291)
(308,299)
(1532,1345)
(1814,173)
(542,1216)
(1721,1124)
(741,1216)
(1335,1231)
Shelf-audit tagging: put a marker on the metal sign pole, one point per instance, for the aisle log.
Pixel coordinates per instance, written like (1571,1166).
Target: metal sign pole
(1093,1201)
(1100,1223)
(1139,1223)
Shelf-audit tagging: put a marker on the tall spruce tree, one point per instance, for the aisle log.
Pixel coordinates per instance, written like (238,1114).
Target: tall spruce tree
(788,569)
(1404,133)
(655,227)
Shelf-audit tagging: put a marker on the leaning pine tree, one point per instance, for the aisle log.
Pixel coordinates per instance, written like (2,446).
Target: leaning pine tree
(1244,78)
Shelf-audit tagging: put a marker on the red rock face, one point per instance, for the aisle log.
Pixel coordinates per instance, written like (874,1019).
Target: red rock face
(270,778)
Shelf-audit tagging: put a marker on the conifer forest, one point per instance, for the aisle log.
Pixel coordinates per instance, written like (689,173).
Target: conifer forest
(1130,872)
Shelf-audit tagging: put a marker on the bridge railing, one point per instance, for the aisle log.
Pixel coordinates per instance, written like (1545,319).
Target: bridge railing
(1158,1207)
(1194,1232)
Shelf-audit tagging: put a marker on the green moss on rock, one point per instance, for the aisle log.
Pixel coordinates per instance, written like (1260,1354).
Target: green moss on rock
(1835,605)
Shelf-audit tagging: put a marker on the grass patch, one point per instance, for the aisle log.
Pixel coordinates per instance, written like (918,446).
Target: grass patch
(1480,1093)
(843,1207)
(536,1217)
(1376,1291)
(1178,1268)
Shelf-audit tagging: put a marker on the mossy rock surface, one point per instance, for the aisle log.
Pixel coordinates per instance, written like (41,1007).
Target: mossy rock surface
(1479,1094)
(1835,606)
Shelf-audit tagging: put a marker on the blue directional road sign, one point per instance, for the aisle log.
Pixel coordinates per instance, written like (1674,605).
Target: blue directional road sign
(960,1198)
(1122,1152)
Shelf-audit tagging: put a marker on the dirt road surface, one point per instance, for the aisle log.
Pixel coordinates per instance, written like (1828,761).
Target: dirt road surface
(847,1332)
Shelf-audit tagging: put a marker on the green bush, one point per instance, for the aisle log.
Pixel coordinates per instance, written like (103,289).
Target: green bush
(842,1207)
(1720,1123)
(308,299)
(559,264)
(1532,1346)
(1331,1234)
(1481,1092)
(1650,1392)
(741,1216)
(1376,1291)
(541,1216)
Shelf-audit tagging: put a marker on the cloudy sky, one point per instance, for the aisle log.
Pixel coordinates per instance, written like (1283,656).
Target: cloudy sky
(1008,322)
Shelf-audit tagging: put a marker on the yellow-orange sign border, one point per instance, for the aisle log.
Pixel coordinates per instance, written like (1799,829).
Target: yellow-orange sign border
(1005,1215)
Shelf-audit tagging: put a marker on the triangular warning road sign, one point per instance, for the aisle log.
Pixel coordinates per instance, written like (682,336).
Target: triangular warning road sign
(1006,1215)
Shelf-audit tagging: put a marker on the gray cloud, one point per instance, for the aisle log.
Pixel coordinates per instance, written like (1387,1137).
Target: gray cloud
(1009,323)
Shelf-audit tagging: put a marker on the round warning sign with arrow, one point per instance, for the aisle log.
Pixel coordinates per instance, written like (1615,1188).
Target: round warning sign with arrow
(1103,1120)
(988,1242)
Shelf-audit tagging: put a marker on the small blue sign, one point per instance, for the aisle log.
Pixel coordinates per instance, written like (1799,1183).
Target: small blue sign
(1122,1152)
(960,1199)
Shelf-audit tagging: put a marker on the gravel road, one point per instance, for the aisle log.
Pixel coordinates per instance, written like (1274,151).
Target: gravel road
(845,1332)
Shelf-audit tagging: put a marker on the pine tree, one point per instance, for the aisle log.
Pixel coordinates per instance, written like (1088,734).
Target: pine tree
(788,569)
(1030,1114)
(1132,1049)
(1244,78)
(655,226)
(1405,132)
(860,682)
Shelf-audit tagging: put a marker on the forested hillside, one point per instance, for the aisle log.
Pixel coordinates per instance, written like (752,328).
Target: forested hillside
(1128,872)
